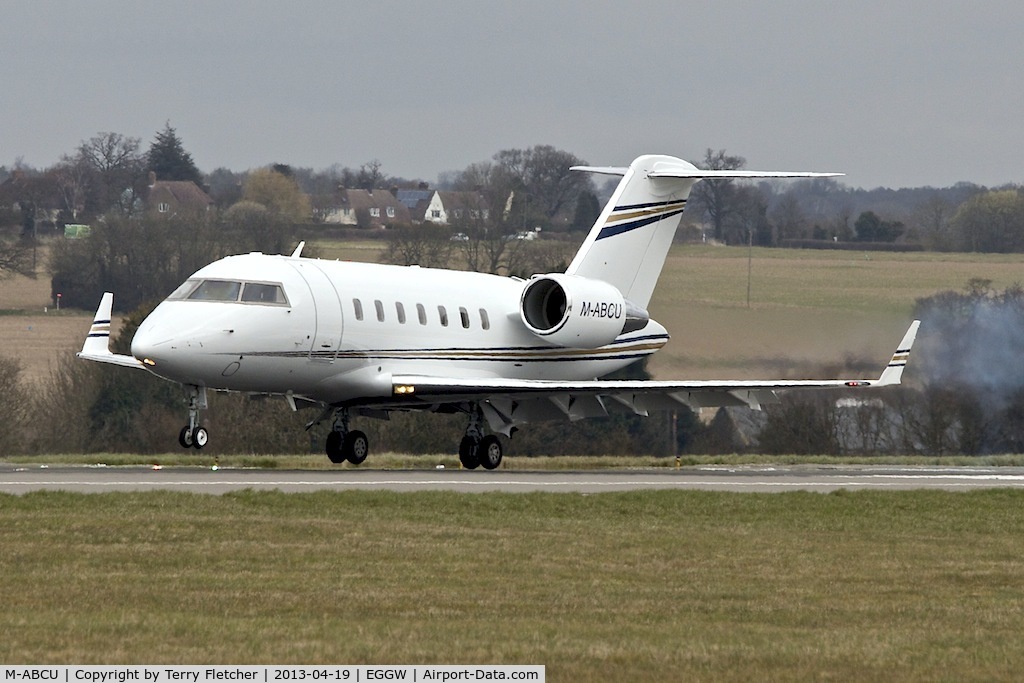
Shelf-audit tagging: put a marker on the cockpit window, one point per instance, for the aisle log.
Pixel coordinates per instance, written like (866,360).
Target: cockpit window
(216,290)
(258,292)
(184,289)
(231,291)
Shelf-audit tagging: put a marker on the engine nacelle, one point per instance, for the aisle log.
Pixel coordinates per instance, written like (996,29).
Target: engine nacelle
(578,312)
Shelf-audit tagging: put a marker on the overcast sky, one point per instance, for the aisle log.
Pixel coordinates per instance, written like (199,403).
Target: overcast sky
(892,93)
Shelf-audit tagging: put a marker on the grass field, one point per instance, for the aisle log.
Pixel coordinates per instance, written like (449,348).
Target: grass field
(613,587)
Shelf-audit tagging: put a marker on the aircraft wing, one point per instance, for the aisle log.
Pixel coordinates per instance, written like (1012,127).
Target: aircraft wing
(97,343)
(509,402)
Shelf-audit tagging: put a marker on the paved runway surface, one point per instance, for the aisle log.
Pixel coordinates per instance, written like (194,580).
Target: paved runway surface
(23,478)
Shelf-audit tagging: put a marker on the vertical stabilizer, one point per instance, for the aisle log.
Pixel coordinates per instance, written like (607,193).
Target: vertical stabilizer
(629,242)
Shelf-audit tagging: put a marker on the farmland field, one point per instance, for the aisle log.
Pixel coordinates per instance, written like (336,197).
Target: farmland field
(807,309)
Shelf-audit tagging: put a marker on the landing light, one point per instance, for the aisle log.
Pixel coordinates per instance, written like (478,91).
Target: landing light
(404,389)
(148,361)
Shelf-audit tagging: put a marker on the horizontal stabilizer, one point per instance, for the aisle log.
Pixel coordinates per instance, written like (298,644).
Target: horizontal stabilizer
(729,173)
(603,170)
(698,173)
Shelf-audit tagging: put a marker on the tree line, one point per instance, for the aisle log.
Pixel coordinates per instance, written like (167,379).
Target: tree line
(526,189)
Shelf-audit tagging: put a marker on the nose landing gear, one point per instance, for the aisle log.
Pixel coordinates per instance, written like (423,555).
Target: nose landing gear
(193,435)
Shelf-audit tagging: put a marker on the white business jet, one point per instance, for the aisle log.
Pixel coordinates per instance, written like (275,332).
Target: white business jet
(366,339)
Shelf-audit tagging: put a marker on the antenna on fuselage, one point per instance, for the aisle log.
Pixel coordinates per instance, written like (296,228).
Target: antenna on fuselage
(298,249)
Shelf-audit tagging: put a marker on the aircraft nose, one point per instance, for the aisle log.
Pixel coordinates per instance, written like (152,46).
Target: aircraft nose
(152,341)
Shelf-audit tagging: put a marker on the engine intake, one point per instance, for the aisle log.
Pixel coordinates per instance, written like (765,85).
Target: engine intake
(578,312)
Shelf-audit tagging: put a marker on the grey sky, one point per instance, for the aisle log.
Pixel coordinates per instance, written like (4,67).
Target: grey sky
(891,93)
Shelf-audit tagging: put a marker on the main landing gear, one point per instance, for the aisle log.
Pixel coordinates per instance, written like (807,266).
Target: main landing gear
(475,449)
(193,435)
(344,444)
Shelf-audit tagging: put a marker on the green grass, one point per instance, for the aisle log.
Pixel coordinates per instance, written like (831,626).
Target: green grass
(637,586)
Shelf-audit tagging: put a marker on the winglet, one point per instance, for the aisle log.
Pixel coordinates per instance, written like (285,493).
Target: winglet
(97,343)
(893,373)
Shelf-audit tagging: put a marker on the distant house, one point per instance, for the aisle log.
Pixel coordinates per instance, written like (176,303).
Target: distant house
(170,197)
(415,201)
(367,209)
(448,208)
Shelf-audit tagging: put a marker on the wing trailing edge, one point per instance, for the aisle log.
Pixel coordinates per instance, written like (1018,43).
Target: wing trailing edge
(509,402)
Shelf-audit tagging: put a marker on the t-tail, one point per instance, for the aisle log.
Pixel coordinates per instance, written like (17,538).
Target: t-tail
(629,242)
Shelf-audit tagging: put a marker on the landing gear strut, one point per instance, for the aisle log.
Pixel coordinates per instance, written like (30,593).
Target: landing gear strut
(477,450)
(343,444)
(193,435)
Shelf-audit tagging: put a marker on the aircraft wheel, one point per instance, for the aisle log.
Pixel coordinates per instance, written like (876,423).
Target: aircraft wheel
(185,437)
(469,449)
(200,437)
(489,452)
(356,447)
(334,452)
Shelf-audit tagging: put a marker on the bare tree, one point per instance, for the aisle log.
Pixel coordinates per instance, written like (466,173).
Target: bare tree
(716,198)
(117,172)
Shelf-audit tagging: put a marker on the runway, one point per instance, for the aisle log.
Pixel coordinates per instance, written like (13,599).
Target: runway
(20,479)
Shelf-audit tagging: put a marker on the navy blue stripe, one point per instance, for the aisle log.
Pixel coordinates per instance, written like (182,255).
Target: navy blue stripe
(613,230)
(100,334)
(437,350)
(627,207)
(100,322)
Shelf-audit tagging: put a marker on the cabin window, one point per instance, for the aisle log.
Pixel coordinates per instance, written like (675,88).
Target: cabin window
(257,292)
(421,313)
(442,313)
(464,315)
(485,321)
(400,311)
(380,310)
(357,306)
(216,290)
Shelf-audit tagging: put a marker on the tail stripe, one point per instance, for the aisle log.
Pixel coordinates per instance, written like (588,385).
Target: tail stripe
(612,230)
(648,205)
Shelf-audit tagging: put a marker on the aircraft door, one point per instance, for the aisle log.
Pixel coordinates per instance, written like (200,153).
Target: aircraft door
(326,340)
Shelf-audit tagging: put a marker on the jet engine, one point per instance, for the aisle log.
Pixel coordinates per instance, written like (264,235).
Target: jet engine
(578,312)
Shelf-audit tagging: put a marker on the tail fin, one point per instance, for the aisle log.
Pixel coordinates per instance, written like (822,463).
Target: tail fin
(629,242)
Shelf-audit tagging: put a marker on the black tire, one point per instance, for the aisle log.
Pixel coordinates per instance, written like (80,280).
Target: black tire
(469,449)
(200,437)
(356,447)
(333,448)
(489,452)
(185,437)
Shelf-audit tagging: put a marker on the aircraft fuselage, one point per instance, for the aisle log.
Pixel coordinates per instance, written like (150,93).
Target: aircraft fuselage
(336,332)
